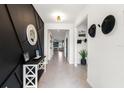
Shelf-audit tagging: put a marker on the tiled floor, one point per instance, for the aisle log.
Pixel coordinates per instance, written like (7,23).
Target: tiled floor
(60,74)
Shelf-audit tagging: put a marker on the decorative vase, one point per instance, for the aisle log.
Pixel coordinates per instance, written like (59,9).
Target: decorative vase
(83,61)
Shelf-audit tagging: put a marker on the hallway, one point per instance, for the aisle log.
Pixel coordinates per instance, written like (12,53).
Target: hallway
(60,74)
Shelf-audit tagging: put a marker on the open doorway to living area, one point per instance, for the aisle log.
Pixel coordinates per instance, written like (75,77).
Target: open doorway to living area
(58,42)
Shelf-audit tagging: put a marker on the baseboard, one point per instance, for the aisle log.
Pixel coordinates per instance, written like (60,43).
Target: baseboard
(71,63)
(90,83)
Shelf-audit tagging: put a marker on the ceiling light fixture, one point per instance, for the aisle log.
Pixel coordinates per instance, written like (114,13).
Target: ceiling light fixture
(58,16)
(58,19)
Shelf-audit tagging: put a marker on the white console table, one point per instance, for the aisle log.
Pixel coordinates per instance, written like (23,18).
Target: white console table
(30,74)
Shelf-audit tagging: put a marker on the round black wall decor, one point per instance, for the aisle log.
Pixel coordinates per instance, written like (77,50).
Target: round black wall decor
(85,40)
(108,24)
(92,30)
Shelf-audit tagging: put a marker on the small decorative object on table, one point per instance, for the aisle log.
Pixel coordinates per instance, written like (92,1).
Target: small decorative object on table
(37,55)
(26,56)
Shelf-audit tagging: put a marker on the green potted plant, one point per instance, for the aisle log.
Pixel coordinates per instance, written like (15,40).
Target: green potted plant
(83,54)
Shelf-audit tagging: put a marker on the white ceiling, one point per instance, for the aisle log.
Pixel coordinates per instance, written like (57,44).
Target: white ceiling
(58,34)
(68,12)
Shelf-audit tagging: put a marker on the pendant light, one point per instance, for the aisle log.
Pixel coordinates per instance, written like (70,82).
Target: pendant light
(58,19)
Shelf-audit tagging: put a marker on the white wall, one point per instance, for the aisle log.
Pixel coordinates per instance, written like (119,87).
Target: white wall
(69,27)
(83,45)
(105,52)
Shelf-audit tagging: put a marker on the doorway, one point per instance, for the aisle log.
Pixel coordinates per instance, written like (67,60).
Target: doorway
(69,28)
(59,42)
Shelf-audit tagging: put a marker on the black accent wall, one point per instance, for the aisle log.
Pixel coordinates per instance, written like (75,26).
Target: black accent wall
(13,42)
(40,29)
(23,15)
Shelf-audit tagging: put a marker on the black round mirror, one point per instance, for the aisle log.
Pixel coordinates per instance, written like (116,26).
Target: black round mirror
(108,24)
(92,30)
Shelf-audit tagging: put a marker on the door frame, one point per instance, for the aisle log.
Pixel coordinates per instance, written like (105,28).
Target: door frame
(68,27)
